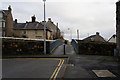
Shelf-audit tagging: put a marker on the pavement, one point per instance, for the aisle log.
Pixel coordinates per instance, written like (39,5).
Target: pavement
(69,50)
(84,66)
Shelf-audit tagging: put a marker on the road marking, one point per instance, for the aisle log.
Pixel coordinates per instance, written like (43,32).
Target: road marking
(4,59)
(32,58)
(58,70)
(55,70)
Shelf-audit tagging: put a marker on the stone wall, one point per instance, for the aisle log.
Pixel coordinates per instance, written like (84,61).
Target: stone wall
(96,48)
(23,47)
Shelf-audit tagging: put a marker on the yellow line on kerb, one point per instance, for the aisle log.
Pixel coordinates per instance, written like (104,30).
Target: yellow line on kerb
(32,58)
(4,59)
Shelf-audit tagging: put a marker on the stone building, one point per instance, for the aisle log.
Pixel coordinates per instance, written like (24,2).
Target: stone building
(31,29)
(96,38)
(1,22)
(6,22)
(118,25)
(54,28)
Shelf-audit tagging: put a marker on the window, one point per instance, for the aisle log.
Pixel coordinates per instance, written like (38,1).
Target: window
(1,15)
(38,37)
(3,24)
(0,24)
(24,31)
(35,31)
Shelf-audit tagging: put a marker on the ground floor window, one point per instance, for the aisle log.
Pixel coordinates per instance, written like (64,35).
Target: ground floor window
(38,37)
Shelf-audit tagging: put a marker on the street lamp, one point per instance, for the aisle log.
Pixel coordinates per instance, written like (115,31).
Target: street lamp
(44,30)
(78,34)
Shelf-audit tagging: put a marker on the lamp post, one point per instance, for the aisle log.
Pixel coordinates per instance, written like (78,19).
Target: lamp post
(44,30)
(78,34)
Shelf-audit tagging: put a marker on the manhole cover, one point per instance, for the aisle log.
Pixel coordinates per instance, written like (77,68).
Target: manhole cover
(103,73)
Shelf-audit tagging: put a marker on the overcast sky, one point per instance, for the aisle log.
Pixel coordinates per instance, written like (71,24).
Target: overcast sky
(89,16)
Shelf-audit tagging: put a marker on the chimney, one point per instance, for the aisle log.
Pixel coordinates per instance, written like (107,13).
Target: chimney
(97,33)
(9,8)
(15,21)
(57,24)
(49,19)
(33,18)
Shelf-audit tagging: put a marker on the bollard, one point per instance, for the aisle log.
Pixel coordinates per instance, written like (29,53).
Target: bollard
(64,49)
(64,46)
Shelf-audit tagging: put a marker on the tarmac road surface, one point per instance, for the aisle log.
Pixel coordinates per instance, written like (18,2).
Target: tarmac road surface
(32,68)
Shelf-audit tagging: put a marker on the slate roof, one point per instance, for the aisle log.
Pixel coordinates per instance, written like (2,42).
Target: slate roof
(95,37)
(29,26)
(90,37)
(6,12)
(19,26)
(114,36)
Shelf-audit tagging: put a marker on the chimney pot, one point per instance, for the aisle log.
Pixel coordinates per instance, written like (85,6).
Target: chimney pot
(97,33)
(15,20)
(33,18)
(9,8)
(57,24)
(49,19)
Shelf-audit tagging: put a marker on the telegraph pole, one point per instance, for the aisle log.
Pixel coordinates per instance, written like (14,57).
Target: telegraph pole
(44,30)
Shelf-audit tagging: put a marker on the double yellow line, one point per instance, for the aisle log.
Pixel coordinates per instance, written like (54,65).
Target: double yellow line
(55,73)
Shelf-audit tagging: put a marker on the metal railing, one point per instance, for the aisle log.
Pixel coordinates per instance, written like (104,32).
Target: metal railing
(55,44)
(74,43)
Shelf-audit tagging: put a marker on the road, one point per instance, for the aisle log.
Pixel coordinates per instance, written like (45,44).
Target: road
(60,50)
(46,68)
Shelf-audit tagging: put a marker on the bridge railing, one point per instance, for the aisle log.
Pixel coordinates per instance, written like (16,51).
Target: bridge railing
(55,44)
(74,43)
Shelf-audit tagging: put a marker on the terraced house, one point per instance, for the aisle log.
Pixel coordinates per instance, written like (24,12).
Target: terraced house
(56,34)
(32,29)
